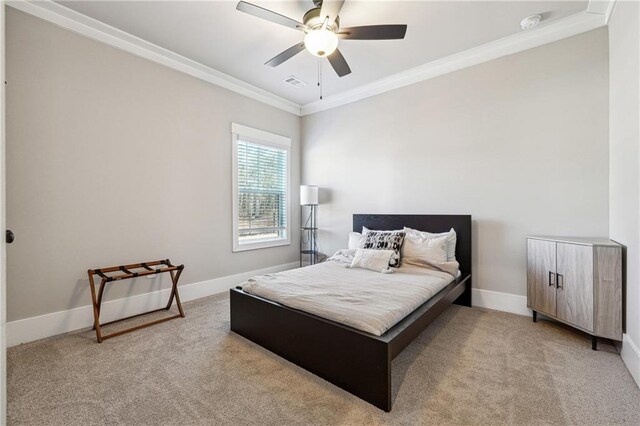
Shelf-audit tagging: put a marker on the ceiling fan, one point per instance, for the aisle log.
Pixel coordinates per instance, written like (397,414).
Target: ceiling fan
(321,26)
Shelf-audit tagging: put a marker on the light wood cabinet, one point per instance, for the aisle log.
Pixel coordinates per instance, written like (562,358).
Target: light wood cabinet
(574,284)
(541,278)
(577,281)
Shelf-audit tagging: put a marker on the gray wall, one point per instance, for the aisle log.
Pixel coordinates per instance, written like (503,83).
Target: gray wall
(520,143)
(624,140)
(114,159)
(97,138)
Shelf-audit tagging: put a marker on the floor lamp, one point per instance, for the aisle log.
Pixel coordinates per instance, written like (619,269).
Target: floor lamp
(308,231)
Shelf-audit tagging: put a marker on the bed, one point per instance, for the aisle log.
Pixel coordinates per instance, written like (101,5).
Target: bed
(357,361)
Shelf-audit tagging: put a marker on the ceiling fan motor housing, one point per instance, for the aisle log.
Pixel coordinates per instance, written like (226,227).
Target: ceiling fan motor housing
(313,20)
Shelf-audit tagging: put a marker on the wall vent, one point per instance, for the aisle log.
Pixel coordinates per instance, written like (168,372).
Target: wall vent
(294,81)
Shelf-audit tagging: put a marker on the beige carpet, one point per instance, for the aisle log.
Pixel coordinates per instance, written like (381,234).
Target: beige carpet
(471,366)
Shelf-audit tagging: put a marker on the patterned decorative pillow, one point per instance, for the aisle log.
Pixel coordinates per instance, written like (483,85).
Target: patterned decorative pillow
(385,240)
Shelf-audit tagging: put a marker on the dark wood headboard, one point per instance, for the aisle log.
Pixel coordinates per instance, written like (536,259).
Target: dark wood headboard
(424,222)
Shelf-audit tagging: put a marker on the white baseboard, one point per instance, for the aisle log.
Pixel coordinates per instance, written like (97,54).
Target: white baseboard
(35,328)
(495,300)
(631,356)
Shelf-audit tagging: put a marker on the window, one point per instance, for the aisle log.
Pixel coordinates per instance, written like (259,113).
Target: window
(260,189)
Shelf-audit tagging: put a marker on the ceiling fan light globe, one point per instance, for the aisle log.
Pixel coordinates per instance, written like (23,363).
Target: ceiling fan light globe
(321,42)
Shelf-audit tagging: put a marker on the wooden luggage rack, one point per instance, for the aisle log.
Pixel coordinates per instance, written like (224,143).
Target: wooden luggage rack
(127,273)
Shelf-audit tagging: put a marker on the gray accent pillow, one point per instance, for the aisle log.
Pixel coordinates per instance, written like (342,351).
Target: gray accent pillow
(385,240)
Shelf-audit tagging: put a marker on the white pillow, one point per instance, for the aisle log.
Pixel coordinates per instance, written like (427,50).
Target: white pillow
(451,240)
(418,249)
(356,240)
(374,260)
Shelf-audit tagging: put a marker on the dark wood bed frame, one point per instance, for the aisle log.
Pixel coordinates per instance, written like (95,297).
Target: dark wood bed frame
(356,361)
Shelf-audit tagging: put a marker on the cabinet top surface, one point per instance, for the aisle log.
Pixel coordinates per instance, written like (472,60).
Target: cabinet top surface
(577,240)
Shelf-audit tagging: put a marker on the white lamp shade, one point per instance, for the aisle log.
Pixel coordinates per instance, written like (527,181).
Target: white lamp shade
(320,42)
(308,195)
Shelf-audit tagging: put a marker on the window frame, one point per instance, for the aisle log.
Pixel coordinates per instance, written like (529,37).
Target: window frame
(260,137)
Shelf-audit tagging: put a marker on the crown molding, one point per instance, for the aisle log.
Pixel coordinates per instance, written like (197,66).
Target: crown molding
(74,21)
(602,7)
(554,31)
(596,15)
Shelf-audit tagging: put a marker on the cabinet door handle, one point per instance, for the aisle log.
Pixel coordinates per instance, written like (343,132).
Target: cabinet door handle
(552,281)
(560,280)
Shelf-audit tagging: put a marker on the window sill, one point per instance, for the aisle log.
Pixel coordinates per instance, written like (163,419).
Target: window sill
(238,247)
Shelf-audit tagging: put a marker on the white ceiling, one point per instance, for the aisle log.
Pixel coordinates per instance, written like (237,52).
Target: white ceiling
(215,34)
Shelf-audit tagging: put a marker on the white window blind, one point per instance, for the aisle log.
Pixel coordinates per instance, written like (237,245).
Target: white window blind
(260,191)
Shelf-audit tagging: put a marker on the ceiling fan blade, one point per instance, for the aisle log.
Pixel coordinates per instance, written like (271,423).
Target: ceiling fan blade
(270,16)
(373,32)
(330,9)
(286,55)
(339,64)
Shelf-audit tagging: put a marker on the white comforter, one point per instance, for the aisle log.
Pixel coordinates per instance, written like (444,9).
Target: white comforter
(362,299)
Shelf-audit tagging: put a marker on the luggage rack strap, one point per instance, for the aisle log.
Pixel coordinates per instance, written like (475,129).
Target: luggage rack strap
(145,266)
(102,275)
